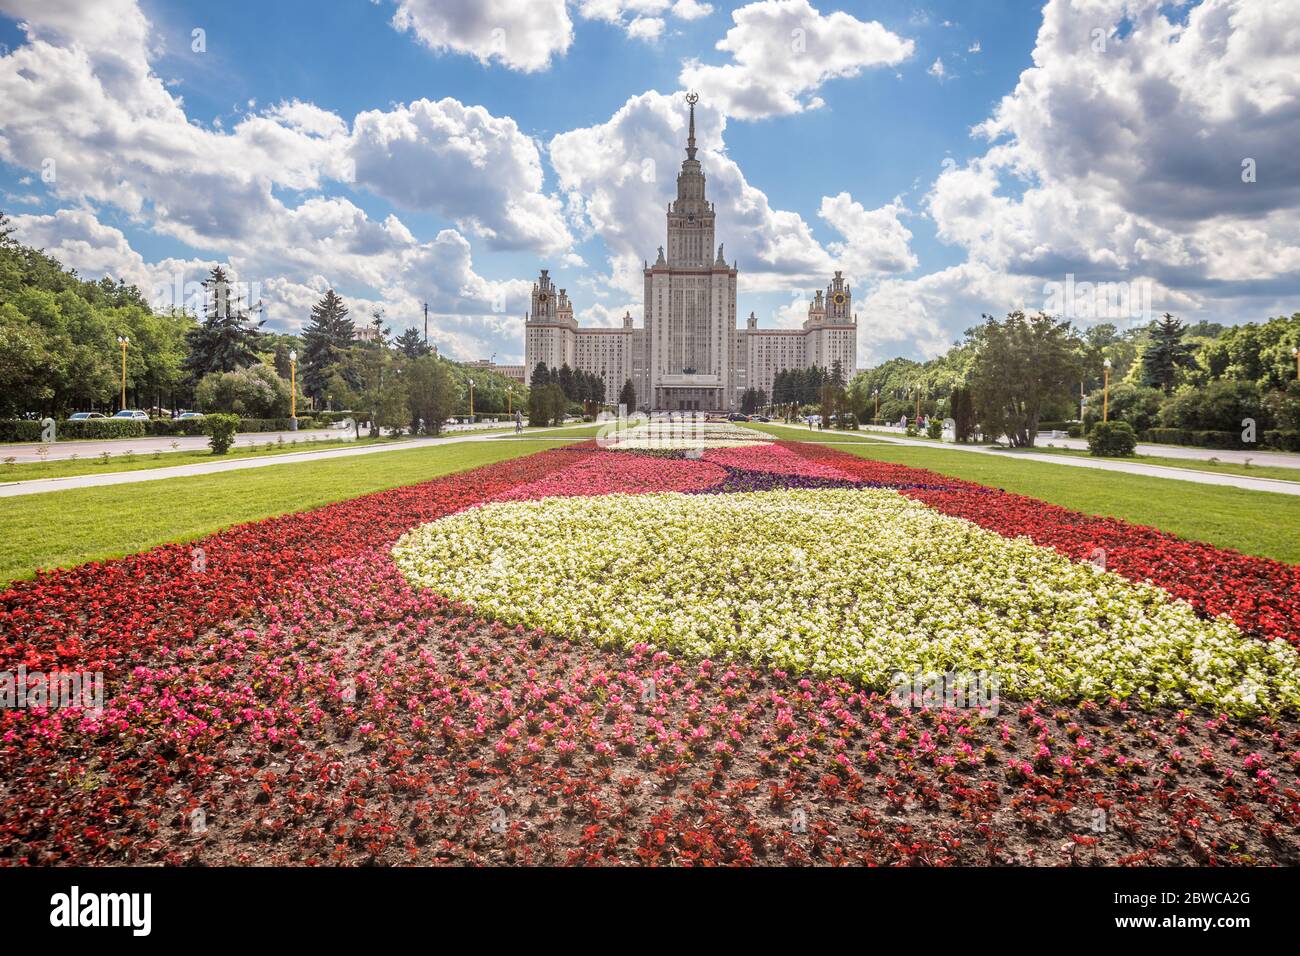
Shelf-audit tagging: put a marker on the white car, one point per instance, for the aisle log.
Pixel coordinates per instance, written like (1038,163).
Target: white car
(84,416)
(134,414)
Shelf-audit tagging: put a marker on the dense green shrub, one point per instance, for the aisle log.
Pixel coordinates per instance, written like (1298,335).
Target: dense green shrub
(1215,407)
(1112,440)
(934,428)
(1135,404)
(220,429)
(20,429)
(254,392)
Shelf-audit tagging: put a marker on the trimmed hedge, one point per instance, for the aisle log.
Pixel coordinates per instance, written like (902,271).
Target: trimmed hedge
(102,428)
(19,429)
(175,426)
(283,424)
(1285,440)
(15,429)
(1198,439)
(29,430)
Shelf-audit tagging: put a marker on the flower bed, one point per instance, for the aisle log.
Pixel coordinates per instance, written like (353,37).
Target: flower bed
(857,583)
(685,435)
(297,701)
(1262,596)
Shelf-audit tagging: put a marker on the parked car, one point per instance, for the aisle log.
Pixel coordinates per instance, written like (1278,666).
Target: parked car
(184,415)
(737,417)
(760,418)
(85,416)
(133,414)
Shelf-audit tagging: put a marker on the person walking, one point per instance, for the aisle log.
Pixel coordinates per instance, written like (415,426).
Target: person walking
(519,422)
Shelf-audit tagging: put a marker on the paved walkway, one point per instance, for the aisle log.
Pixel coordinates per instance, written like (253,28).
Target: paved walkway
(93,448)
(41,485)
(1275,485)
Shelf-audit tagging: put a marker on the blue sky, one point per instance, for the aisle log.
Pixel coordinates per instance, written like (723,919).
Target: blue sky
(403,152)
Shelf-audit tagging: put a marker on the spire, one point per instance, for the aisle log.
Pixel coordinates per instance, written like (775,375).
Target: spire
(692,99)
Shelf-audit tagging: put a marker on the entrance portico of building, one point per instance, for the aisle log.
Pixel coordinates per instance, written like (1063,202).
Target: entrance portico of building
(677,399)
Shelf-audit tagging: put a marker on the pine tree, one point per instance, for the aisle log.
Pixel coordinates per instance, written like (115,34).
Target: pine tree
(411,344)
(227,339)
(1165,354)
(541,376)
(837,374)
(627,396)
(324,343)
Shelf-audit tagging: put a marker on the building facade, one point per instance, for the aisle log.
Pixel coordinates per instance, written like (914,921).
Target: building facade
(689,355)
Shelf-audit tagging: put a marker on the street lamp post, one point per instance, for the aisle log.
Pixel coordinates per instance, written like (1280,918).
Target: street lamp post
(123,341)
(1296,352)
(1105,392)
(876,393)
(293,390)
(510,394)
(471,401)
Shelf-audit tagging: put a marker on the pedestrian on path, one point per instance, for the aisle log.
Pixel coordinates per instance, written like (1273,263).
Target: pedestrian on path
(519,423)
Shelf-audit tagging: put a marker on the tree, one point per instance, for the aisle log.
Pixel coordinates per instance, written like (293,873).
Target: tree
(227,338)
(432,393)
(280,358)
(1135,404)
(564,377)
(546,405)
(253,392)
(1021,365)
(1165,354)
(380,394)
(541,375)
(324,343)
(411,344)
(962,406)
(627,395)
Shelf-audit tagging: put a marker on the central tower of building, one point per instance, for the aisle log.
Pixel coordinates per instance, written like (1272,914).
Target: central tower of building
(689,356)
(690,301)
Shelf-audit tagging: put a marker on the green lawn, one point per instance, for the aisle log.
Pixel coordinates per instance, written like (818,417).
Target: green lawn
(64,528)
(1254,522)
